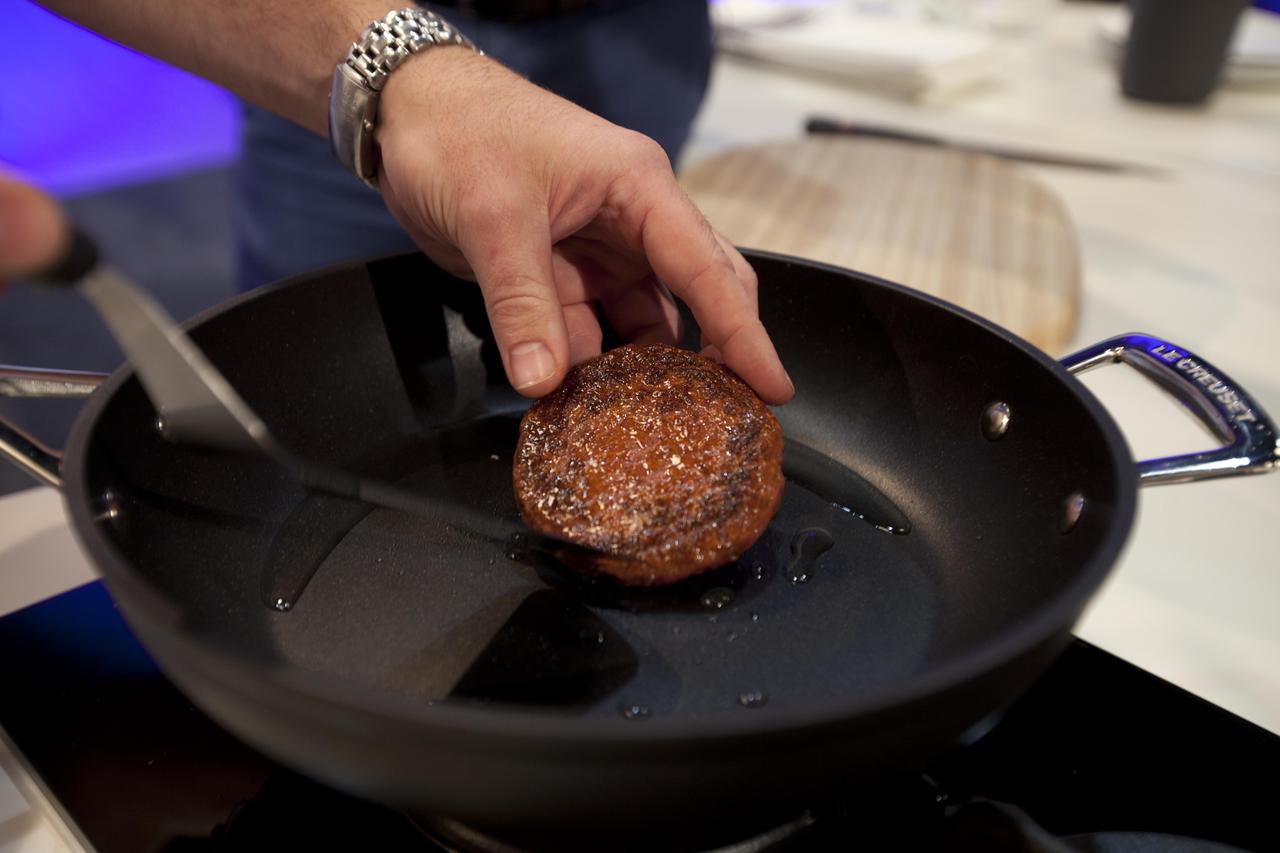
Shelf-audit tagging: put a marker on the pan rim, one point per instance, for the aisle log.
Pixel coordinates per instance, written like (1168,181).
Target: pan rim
(511,727)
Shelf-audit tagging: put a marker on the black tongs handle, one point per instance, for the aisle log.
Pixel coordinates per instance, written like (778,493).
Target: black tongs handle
(77,261)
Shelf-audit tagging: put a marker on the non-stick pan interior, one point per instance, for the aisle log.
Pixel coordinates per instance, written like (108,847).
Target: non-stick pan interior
(907,538)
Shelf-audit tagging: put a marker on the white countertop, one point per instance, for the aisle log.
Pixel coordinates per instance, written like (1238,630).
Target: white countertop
(1195,257)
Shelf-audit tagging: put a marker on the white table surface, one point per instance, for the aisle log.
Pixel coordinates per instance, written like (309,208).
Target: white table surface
(1194,257)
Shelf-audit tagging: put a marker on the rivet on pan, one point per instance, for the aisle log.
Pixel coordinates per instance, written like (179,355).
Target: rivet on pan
(161,426)
(107,507)
(1072,508)
(995,421)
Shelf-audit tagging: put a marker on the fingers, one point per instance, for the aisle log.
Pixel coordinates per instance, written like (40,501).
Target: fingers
(746,275)
(33,230)
(585,335)
(687,255)
(509,250)
(645,312)
(638,307)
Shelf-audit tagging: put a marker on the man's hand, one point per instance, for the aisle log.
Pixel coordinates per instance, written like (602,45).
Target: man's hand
(33,232)
(554,211)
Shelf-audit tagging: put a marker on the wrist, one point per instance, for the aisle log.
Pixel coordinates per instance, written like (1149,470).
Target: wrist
(355,99)
(332,35)
(429,84)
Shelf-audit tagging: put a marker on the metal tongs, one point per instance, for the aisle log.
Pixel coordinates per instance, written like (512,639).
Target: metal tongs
(198,406)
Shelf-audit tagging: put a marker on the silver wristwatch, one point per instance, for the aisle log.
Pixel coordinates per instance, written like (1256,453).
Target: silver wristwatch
(358,81)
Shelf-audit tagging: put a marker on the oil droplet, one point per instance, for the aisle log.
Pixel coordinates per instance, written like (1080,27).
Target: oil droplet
(634,711)
(516,549)
(755,617)
(716,598)
(599,638)
(752,699)
(806,547)
(493,457)
(303,544)
(883,528)
(732,636)
(757,569)
(713,618)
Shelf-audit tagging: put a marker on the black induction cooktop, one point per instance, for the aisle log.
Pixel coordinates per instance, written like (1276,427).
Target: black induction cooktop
(1098,756)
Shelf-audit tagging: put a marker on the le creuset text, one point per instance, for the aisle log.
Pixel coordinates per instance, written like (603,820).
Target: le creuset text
(1237,408)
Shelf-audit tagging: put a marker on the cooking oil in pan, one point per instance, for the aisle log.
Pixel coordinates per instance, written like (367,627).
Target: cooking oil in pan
(842,488)
(822,478)
(806,547)
(303,543)
(308,537)
(717,598)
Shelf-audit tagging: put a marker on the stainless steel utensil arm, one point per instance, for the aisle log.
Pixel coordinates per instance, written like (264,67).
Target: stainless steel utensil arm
(24,450)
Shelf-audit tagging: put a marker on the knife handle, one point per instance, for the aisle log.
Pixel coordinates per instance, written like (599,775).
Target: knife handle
(831,126)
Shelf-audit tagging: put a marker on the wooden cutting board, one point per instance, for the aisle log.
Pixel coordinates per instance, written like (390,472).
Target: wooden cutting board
(974,230)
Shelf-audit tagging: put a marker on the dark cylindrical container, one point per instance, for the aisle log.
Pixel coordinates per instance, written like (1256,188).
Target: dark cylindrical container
(1177,48)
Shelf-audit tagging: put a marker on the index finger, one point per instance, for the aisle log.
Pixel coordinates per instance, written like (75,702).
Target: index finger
(684,253)
(33,230)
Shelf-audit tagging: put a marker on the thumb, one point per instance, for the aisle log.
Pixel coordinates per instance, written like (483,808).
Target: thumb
(510,254)
(33,230)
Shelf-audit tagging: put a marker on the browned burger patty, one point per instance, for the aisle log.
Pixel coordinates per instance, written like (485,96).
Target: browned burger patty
(655,454)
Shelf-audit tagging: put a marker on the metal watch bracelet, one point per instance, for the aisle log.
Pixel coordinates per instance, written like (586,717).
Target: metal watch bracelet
(358,81)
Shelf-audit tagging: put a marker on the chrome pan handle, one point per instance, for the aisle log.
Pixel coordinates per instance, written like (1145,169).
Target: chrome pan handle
(28,453)
(1249,435)
(38,382)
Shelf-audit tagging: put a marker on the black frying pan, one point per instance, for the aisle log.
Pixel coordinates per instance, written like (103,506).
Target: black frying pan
(954,499)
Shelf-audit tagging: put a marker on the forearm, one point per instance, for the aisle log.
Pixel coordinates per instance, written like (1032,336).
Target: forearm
(279,54)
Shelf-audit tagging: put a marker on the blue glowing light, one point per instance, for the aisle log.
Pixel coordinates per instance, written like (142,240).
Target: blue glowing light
(79,113)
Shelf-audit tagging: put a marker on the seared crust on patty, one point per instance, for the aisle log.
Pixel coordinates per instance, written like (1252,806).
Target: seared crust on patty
(654,454)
